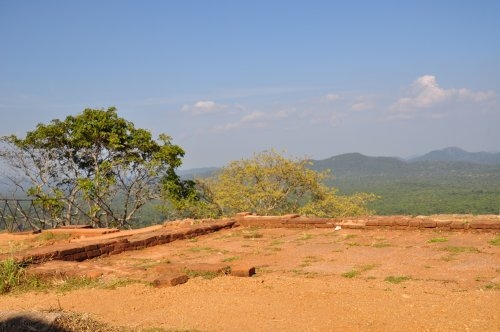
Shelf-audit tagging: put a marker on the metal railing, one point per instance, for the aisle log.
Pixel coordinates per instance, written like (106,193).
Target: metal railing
(18,215)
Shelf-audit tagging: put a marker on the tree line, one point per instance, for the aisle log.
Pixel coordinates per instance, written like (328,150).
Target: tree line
(100,166)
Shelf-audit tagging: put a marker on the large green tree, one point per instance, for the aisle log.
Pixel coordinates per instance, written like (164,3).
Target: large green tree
(95,165)
(268,184)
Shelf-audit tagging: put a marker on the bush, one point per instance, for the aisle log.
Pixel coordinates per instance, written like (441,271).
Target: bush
(11,275)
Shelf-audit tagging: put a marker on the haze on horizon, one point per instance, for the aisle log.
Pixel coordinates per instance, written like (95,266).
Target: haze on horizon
(227,79)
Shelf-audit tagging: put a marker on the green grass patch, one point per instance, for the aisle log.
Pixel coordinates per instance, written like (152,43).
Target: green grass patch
(277,242)
(458,249)
(201,249)
(381,245)
(358,270)
(306,237)
(253,235)
(231,259)
(74,283)
(367,267)
(146,264)
(274,249)
(11,275)
(114,284)
(492,286)
(13,278)
(230,235)
(351,274)
(206,274)
(50,236)
(437,240)
(449,257)
(495,241)
(308,260)
(16,246)
(397,279)
(303,273)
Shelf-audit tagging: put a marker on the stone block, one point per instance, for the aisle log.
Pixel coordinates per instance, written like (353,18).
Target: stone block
(163,238)
(70,251)
(91,247)
(138,243)
(485,224)
(215,227)
(169,280)
(290,216)
(372,222)
(178,235)
(386,223)
(351,225)
(414,223)
(310,221)
(93,253)
(443,223)
(242,271)
(402,222)
(78,257)
(106,250)
(218,269)
(122,246)
(428,224)
(457,225)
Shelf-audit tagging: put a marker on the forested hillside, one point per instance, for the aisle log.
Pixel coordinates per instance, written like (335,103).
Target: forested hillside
(417,187)
(444,181)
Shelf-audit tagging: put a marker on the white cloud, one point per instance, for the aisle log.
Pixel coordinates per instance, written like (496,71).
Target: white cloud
(256,119)
(363,103)
(332,97)
(361,106)
(475,96)
(254,116)
(203,107)
(427,93)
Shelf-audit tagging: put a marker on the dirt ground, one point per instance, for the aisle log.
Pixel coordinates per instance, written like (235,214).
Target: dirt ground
(306,280)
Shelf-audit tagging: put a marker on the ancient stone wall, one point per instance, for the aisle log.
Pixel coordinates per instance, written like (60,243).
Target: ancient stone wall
(80,251)
(441,222)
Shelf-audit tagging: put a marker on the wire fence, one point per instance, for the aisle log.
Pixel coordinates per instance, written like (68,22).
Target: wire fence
(19,215)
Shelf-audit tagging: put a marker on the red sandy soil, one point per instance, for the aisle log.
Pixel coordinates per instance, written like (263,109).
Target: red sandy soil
(306,280)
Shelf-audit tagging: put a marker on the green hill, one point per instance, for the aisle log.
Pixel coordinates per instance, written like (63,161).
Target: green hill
(444,181)
(457,154)
(417,187)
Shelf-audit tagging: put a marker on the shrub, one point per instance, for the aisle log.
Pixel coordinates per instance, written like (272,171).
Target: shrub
(11,275)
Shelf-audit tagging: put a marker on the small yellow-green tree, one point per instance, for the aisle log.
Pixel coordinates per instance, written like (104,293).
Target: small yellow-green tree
(271,184)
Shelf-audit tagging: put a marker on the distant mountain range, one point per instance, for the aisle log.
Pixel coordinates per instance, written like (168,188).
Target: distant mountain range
(450,180)
(435,163)
(457,154)
(451,159)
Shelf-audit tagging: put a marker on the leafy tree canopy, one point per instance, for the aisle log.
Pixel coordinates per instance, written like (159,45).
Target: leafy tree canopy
(268,184)
(90,162)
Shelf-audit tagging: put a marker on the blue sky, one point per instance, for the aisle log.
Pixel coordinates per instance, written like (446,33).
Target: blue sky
(229,78)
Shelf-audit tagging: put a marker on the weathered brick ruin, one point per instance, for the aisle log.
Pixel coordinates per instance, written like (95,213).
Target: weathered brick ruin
(440,222)
(82,250)
(112,242)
